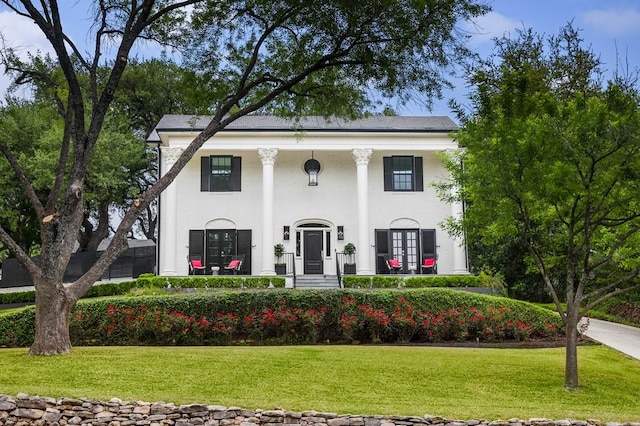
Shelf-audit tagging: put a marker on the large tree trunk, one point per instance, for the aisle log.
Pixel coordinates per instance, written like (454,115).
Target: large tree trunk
(53,310)
(571,349)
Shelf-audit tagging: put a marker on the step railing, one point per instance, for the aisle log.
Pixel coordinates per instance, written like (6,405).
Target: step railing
(287,266)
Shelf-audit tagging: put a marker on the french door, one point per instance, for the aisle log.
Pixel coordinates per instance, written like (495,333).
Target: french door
(408,246)
(404,245)
(221,245)
(217,246)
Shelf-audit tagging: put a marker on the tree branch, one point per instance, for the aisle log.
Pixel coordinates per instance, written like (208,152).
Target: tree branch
(22,179)
(607,296)
(21,255)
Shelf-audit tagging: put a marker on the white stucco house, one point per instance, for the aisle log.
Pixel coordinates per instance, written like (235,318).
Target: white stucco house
(312,186)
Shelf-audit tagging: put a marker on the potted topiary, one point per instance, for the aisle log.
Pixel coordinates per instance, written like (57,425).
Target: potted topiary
(280,266)
(350,263)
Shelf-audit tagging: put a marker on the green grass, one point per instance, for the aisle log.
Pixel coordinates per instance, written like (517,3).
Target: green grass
(458,383)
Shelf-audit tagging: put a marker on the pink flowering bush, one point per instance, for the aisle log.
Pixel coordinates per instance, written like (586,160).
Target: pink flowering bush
(253,317)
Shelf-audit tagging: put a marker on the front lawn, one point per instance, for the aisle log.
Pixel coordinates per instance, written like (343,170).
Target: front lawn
(458,383)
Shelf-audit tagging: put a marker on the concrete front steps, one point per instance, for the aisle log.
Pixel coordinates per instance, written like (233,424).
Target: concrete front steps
(316,281)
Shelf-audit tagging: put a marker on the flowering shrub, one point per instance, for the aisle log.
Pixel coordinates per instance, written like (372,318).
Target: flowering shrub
(297,317)
(225,326)
(283,325)
(140,325)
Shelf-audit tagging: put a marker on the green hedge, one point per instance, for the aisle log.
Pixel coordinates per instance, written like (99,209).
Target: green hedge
(295,317)
(18,297)
(421,281)
(213,281)
(152,281)
(236,282)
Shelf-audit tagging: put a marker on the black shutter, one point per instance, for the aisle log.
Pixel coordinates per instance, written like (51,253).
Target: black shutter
(196,244)
(387,163)
(428,243)
(236,173)
(243,239)
(205,173)
(382,250)
(418,185)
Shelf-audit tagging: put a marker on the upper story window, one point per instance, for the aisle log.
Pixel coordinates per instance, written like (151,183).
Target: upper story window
(403,173)
(220,173)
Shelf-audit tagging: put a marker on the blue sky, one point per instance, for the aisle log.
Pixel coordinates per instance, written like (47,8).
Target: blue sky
(610,27)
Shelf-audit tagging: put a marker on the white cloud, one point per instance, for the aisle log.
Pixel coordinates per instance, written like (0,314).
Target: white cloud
(613,22)
(490,26)
(22,35)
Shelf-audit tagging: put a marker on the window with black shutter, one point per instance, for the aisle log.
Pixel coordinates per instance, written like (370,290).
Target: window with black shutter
(403,173)
(220,173)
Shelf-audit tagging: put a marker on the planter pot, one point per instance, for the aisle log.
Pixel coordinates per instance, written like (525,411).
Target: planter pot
(349,268)
(281,269)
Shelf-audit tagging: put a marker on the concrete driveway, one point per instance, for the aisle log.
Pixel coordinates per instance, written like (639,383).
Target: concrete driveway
(623,338)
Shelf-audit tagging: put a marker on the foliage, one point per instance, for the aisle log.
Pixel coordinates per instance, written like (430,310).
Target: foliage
(506,257)
(493,281)
(551,156)
(27,125)
(150,281)
(295,317)
(110,177)
(629,312)
(420,281)
(349,249)
(17,297)
(278,252)
(623,309)
(392,50)
(356,281)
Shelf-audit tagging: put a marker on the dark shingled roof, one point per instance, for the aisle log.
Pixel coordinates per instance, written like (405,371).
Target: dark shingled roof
(313,123)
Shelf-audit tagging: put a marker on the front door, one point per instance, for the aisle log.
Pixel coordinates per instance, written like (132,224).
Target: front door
(313,263)
(405,249)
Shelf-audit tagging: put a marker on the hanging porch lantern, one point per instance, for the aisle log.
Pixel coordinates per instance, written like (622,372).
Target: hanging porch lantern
(312,167)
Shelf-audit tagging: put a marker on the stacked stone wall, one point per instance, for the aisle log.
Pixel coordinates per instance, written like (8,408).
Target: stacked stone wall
(25,410)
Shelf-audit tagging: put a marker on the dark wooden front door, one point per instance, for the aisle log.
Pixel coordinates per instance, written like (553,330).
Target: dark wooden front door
(313,252)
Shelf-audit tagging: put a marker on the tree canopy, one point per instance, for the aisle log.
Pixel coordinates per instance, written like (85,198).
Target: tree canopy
(121,168)
(550,157)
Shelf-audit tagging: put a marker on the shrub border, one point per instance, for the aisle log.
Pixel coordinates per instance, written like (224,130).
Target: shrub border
(279,316)
(152,281)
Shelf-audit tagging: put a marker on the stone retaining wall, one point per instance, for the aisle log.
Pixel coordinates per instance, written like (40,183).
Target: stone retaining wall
(25,410)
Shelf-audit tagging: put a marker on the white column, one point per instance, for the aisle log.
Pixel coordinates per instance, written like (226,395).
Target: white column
(459,247)
(268,158)
(362,157)
(169,206)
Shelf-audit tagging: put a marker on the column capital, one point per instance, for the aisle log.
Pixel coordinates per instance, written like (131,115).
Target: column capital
(268,155)
(170,155)
(362,155)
